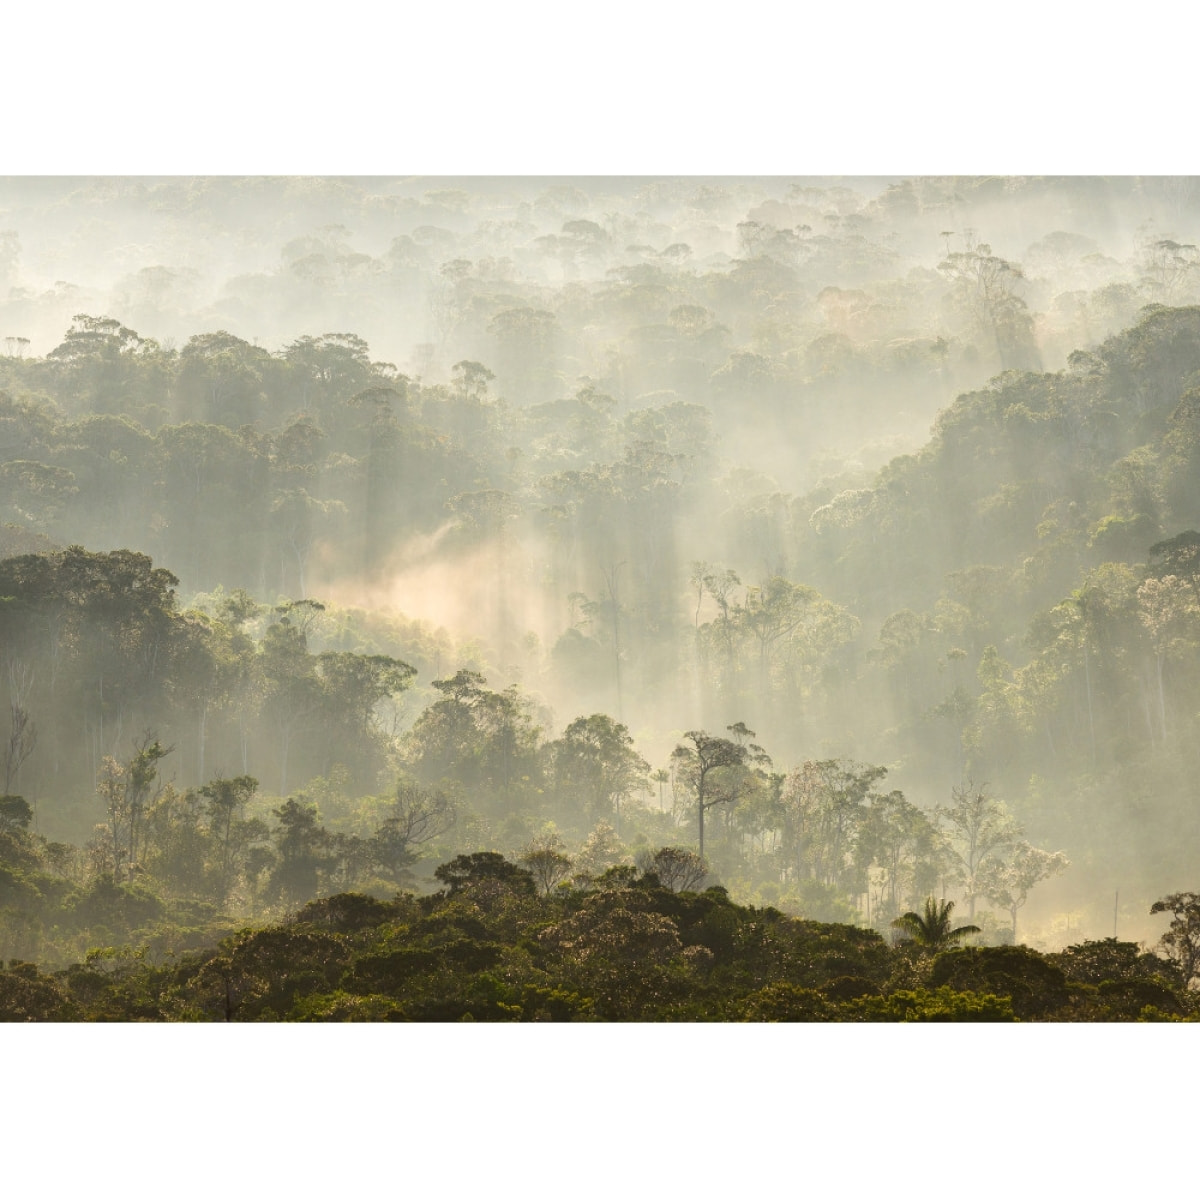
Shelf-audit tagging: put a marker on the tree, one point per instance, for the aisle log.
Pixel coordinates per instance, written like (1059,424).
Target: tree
(825,807)
(221,377)
(661,777)
(723,629)
(259,974)
(28,995)
(715,769)
(1171,616)
(675,867)
(1167,268)
(15,814)
(618,949)
(300,520)
(353,686)
(302,844)
(417,815)
(1009,883)
(1038,987)
(1178,556)
(466,870)
(330,367)
(1108,959)
(97,360)
(22,734)
(294,690)
(601,851)
(1181,942)
(484,518)
(125,789)
(782,617)
(179,844)
(595,761)
(547,862)
(470,412)
(981,830)
(485,740)
(931,929)
(985,285)
(212,480)
(526,350)
(900,841)
(226,807)
(35,493)
(199,674)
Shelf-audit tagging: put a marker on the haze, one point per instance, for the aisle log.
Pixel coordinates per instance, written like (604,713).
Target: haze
(888,473)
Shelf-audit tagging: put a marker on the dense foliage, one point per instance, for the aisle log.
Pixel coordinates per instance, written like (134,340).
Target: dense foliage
(644,564)
(621,948)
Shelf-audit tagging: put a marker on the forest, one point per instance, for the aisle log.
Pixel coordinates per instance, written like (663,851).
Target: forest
(681,599)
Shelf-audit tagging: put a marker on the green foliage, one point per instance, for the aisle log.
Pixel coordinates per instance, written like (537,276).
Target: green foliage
(1182,940)
(1108,960)
(1037,988)
(783,1002)
(28,995)
(342,1006)
(485,866)
(943,1004)
(1015,600)
(485,741)
(490,948)
(931,930)
(595,766)
(675,867)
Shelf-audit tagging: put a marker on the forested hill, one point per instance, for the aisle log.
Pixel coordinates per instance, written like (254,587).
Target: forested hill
(820,543)
(1014,604)
(494,945)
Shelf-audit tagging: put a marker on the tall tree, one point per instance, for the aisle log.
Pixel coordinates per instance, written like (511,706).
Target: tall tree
(303,845)
(987,287)
(1182,940)
(715,769)
(1009,883)
(981,831)
(594,763)
(226,801)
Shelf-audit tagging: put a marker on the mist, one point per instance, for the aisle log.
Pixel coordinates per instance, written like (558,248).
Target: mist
(387,483)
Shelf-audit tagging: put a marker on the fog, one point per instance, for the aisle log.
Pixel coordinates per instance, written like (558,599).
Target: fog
(874,466)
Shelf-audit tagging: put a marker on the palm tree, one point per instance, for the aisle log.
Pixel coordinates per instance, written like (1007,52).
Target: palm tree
(931,931)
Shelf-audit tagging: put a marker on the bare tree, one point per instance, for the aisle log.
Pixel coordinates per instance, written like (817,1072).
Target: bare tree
(22,740)
(22,736)
(418,815)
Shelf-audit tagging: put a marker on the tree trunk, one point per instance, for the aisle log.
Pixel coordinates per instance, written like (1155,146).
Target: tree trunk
(1162,700)
(1087,676)
(284,747)
(200,780)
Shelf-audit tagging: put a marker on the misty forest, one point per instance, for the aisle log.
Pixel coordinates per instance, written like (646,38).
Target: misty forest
(615,599)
